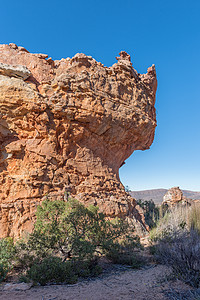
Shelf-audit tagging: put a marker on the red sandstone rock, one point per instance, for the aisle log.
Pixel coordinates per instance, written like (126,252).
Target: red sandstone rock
(174,196)
(69,127)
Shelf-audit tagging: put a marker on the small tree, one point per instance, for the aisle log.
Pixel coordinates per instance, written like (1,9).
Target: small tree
(71,230)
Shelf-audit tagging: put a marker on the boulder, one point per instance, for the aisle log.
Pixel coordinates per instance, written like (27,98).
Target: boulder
(174,197)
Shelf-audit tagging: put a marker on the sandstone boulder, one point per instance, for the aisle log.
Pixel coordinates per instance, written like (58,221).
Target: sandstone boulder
(66,127)
(174,197)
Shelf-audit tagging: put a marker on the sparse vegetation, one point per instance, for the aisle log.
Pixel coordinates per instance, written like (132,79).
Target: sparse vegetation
(178,219)
(177,238)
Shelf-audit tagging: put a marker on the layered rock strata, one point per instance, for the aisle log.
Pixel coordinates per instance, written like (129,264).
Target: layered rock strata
(66,127)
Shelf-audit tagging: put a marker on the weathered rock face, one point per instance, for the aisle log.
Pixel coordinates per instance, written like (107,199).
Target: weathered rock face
(68,126)
(174,197)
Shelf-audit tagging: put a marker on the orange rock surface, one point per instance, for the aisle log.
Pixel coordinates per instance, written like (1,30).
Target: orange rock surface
(174,197)
(66,127)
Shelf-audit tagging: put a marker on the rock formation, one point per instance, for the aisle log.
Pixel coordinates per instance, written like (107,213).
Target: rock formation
(66,127)
(174,197)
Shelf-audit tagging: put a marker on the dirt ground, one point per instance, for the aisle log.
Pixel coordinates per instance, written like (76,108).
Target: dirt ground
(121,283)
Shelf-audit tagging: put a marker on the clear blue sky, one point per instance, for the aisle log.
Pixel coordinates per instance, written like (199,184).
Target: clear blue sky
(166,33)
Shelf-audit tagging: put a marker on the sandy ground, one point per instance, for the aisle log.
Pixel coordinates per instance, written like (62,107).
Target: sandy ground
(144,284)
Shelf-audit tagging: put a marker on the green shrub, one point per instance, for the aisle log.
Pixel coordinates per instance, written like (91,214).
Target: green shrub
(7,251)
(71,230)
(3,271)
(7,254)
(24,278)
(52,270)
(87,268)
(68,240)
(125,258)
(124,252)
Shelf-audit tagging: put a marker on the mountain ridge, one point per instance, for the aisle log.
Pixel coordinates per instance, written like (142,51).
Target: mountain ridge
(157,194)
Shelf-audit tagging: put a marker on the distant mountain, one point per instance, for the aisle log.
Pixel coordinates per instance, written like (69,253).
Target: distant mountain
(157,195)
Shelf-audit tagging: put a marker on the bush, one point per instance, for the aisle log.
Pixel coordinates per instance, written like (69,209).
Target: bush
(125,258)
(7,254)
(7,251)
(77,236)
(67,241)
(3,272)
(87,268)
(52,270)
(177,238)
(124,253)
(194,217)
(182,253)
(71,230)
(173,221)
(179,219)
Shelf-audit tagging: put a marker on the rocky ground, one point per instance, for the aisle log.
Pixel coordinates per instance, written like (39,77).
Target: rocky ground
(114,284)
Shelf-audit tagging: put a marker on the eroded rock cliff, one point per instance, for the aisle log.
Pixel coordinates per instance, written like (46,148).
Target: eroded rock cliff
(68,126)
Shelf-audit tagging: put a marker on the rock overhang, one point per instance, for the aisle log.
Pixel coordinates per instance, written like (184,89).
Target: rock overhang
(69,126)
